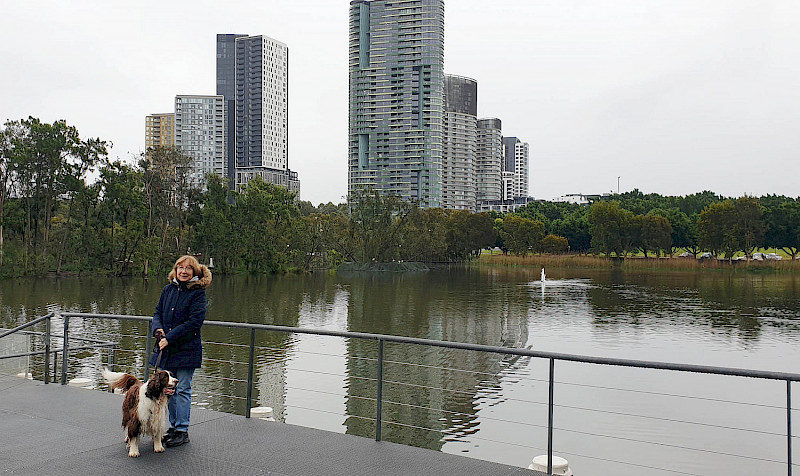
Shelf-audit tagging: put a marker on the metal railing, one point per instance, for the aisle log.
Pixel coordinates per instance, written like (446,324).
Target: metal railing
(551,357)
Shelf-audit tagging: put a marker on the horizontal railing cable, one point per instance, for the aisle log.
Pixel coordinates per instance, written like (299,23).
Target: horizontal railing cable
(666,445)
(628,463)
(675,395)
(669,420)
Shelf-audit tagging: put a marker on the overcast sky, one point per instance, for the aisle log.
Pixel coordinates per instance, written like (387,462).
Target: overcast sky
(671,96)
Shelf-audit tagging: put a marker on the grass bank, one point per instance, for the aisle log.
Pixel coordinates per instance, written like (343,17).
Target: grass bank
(636,263)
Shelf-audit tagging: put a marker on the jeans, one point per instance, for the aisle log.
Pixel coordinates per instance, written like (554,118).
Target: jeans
(180,404)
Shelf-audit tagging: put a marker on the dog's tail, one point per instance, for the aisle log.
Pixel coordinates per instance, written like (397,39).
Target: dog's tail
(119,380)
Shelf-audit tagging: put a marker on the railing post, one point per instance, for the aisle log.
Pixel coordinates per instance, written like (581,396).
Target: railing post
(112,363)
(550,420)
(64,352)
(47,351)
(379,396)
(55,366)
(789,425)
(148,347)
(250,369)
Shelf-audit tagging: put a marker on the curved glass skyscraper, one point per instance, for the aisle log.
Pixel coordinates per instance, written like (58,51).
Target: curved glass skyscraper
(396,69)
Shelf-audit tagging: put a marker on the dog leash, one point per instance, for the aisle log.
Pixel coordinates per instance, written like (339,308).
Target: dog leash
(158,360)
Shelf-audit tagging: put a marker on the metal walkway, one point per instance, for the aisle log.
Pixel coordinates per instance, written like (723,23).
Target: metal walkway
(60,430)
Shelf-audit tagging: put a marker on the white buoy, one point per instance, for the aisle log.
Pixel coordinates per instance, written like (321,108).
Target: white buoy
(263,413)
(25,375)
(82,382)
(210,262)
(560,465)
(543,277)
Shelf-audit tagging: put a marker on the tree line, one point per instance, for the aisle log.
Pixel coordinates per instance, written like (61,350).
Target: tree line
(66,207)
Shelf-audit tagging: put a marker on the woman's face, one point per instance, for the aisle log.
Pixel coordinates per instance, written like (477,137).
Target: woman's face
(184,272)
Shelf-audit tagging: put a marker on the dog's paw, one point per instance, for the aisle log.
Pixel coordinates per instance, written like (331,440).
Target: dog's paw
(133,454)
(158,449)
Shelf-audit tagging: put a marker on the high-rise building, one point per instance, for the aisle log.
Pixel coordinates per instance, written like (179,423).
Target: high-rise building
(489,159)
(262,111)
(159,130)
(522,168)
(200,133)
(226,87)
(460,136)
(515,154)
(396,111)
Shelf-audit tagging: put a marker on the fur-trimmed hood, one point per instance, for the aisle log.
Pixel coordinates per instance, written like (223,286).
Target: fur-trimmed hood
(202,279)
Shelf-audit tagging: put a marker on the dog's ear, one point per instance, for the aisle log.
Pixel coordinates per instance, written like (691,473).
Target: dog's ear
(155,385)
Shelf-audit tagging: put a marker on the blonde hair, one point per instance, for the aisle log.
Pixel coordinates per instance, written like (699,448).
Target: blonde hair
(191,261)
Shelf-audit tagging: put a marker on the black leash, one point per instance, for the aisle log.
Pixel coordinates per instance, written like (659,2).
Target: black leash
(158,360)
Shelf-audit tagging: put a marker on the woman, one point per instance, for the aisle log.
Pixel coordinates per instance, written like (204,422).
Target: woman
(179,315)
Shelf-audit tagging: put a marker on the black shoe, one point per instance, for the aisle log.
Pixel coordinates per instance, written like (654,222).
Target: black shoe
(178,438)
(168,435)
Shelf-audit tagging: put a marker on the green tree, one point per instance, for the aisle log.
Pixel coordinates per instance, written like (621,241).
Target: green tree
(576,229)
(610,227)
(716,229)
(51,161)
(749,224)
(468,233)
(264,223)
(377,224)
(782,218)
(213,232)
(655,234)
(522,235)
(555,244)
(123,203)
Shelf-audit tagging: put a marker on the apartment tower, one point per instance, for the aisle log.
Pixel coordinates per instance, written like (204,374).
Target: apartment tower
(515,162)
(396,110)
(489,166)
(200,134)
(226,87)
(460,142)
(159,130)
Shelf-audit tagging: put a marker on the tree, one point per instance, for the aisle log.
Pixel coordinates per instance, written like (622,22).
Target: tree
(522,235)
(165,171)
(263,220)
(749,224)
(684,229)
(10,137)
(213,230)
(610,227)
(123,201)
(576,229)
(716,229)
(50,161)
(655,233)
(468,233)
(425,238)
(782,220)
(377,224)
(555,244)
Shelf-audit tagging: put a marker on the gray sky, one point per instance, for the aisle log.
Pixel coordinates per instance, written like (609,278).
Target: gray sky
(672,96)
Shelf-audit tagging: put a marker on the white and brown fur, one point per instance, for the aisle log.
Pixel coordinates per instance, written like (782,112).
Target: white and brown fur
(144,410)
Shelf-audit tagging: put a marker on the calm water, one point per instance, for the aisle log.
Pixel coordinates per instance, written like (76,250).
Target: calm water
(608,420)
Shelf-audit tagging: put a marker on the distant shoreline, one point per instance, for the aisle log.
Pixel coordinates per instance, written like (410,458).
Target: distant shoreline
(636,263)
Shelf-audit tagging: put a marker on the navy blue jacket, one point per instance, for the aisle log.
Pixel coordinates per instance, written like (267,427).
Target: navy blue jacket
(181,311)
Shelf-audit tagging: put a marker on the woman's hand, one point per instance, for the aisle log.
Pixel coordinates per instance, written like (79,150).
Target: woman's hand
(162,343)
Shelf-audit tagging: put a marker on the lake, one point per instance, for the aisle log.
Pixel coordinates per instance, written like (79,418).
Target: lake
(607,420)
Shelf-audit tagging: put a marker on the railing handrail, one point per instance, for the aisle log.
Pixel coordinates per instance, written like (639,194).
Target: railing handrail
(706,369)
(26,325)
